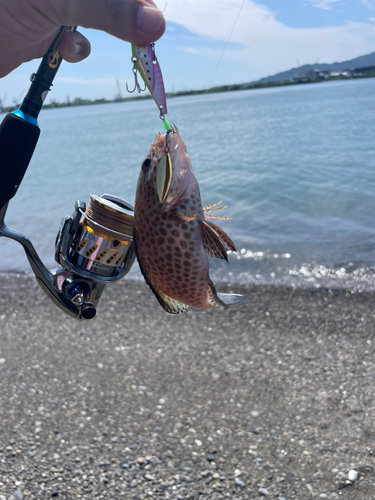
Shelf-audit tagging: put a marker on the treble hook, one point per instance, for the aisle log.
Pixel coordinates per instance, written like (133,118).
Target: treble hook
(136,82)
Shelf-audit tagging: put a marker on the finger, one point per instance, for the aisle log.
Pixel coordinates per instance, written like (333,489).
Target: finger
(135,21)
(8,64)
(74,47)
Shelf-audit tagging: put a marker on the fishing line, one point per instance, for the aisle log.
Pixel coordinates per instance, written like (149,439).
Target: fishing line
(225,46)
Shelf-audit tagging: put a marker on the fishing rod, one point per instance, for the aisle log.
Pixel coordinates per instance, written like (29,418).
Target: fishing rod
(94,246)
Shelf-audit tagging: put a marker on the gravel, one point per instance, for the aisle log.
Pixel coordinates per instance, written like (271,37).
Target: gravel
(272,398)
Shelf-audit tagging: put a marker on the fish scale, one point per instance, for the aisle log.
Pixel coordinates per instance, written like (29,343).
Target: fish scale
(168,234)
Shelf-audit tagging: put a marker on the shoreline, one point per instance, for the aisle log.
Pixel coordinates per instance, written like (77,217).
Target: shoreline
(271,398)
(184,93)
(299,282)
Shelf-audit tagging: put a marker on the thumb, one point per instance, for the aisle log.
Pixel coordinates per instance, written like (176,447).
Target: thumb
(135,21)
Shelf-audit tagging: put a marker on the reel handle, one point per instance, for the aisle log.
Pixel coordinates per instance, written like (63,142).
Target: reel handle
(18,139)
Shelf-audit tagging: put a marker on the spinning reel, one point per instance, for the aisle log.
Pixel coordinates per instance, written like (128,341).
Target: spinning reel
(94,246)
(90,254)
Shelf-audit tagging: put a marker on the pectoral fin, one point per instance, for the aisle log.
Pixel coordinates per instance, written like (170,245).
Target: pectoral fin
(223,236)
(212,243)
(186,217)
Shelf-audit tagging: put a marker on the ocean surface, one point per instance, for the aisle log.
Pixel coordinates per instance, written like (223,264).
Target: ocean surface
(295,165)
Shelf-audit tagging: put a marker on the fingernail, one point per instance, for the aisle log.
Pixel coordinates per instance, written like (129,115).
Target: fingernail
(149,20)
(77,48)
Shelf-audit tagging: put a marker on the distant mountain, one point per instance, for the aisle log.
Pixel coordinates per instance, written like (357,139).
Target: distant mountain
(358,62)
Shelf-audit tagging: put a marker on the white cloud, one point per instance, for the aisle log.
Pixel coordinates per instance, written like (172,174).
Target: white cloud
(370,4)
(269,46)
(323,4)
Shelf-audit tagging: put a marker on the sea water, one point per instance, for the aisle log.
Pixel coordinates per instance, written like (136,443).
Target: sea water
(295,165)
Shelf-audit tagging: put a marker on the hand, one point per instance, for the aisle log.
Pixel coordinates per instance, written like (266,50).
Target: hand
(28,27)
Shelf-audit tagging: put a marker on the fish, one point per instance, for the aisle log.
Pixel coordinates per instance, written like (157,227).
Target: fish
(172,237)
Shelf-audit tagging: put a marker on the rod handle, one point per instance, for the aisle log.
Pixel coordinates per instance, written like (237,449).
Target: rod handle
(18,139)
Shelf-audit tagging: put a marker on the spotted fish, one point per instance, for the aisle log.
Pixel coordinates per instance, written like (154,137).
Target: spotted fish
(172,237)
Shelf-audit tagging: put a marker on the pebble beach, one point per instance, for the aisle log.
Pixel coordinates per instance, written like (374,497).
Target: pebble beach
(272,398)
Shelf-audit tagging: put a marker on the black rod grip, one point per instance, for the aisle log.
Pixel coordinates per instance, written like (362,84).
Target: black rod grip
(18,139)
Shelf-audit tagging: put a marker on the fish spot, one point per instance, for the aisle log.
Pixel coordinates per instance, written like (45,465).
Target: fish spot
(184,226)
(152,241)
(168,225)
(187,235)
(163,231)
(168,248)
(183,244)
(187,255)
(175,233)
(160,240)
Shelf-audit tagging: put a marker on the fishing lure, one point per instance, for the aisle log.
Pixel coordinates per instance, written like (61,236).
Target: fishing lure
(147,65)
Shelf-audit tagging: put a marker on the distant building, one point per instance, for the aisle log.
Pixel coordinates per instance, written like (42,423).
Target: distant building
(313,75)
(317,75)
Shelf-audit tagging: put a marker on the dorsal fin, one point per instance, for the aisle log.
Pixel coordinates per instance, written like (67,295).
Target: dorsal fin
(223,236)
(209,208)
(212,243)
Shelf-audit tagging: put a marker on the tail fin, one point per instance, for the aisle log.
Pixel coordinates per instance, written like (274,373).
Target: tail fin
(230,299)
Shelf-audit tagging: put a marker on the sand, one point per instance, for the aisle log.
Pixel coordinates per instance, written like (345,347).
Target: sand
(274,397)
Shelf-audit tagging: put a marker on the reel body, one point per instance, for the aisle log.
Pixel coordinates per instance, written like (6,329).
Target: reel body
(92,254)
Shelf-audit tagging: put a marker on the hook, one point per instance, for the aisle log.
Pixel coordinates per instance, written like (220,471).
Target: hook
(136,82)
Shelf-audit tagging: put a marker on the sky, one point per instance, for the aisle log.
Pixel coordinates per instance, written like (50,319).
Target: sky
(265,37)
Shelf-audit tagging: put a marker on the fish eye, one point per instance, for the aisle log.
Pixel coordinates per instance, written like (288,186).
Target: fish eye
(146,163)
